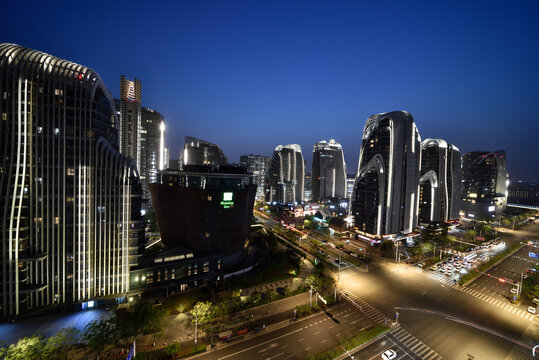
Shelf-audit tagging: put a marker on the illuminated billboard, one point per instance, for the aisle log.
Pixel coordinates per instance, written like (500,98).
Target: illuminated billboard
(227,200)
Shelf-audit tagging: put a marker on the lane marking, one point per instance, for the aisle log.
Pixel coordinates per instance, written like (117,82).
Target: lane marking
(263,343)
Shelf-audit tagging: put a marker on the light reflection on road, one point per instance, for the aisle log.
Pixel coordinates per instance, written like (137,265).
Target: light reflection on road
(48,325)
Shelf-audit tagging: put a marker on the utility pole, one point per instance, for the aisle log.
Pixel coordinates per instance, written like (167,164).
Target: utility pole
(396,251)
(311,297)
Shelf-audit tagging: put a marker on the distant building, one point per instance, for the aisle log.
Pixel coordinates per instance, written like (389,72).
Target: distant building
(286,176)
(258,165)
(205,208)
(523,193)
(152,144)
(328,171)
(440,182)
(307,187)
(350,180)
(173,164)
(484,184)
(200,152)
(385,196)
(130,117)
(69,201)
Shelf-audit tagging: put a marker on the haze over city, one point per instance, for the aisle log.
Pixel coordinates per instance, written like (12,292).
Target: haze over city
(251,75)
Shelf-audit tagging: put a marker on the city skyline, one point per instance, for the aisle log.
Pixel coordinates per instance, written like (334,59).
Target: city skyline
(314,70)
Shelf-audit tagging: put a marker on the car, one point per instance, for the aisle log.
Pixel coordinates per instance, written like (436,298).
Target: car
(535,301)
(433,268)
(532,309)
(514,291)
(389,354)
(354,254)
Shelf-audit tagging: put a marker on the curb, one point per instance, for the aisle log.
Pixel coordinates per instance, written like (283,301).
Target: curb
(269,328)
(365,344)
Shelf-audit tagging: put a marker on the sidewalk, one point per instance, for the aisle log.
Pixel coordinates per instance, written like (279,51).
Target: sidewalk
(293,283)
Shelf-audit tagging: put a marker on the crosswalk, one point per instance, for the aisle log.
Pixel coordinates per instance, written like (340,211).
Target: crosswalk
(503,305)
(519,353)
(365,307)
(434,275)
(414,344)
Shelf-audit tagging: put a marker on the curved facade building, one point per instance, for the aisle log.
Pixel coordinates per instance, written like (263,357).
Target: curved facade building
(286,176)
(440,182)
(328,171)
(484,184)
(385,194)
(204,208)
(200,152)
(68,198)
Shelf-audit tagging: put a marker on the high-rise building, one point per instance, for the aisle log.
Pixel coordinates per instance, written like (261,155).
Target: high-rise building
(385,195)
(523,193)
(440,182)
(206,208)
(350,180)
(200,152)
(152,146)
(258,165)
(69,201)
(484,184)
(286,176)
(130,118)
(328,171)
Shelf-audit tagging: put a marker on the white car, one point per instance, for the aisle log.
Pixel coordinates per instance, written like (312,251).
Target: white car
(514,291)
(389,354)
(532,309)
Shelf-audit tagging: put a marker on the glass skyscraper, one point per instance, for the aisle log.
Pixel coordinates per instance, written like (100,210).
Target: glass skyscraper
(484,184)
(200,152)
(440,182)
(69,201)
(285,181)
(328,171)
(385,195)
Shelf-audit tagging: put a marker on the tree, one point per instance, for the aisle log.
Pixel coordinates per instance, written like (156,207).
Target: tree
(27,348)
(100,333)
(58,345)
(204,311)
(386,245)
(173,349)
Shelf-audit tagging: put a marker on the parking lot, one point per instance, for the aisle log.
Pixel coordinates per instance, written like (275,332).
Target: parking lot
(460,263)
(500,284)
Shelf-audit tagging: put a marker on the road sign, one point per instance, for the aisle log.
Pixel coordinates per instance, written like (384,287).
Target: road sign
(533,255)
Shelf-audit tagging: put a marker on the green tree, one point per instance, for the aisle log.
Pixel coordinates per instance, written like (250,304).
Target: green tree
(173,349)
(100,333)
(58,345)
(27,348)
(204,311)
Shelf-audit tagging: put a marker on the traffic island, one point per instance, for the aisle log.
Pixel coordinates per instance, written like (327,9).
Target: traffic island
(351,343)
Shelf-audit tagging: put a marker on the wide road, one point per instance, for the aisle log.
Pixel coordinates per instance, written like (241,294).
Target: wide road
(306,336)
(452,323)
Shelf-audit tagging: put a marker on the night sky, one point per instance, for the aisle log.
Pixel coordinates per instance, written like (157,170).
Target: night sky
(250,75)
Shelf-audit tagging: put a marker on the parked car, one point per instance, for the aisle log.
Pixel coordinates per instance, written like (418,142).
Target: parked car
(532,309)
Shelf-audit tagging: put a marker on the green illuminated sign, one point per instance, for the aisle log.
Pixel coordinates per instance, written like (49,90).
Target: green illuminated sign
(227,200)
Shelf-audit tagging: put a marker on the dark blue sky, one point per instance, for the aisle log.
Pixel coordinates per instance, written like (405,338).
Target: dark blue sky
(250,75)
